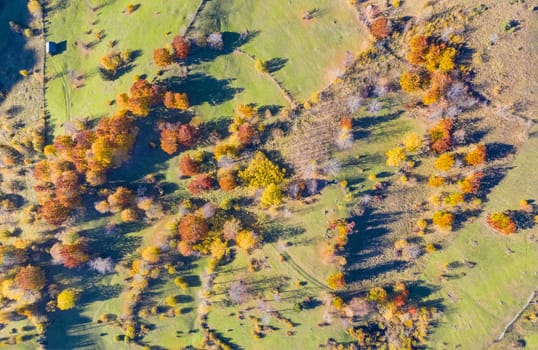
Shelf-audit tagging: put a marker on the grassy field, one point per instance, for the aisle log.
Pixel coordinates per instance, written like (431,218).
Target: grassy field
(309,53)
(72,23)
(494,291)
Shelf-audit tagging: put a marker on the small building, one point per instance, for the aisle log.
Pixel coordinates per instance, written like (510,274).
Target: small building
(51,47)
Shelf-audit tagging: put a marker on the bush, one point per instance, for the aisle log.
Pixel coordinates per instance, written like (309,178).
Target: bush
(395,156)
(443,220)
(502,223)
(445,162)
(261,66)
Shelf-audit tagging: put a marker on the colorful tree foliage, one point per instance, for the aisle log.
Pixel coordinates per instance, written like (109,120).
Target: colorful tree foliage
(30,278)
(502,222)
(261,172)
(192,228)
(181,47)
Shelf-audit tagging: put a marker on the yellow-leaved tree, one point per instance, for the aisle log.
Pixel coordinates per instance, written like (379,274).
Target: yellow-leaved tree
(66,299)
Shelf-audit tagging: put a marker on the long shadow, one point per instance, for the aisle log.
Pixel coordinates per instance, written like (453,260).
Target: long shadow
(368,243)
(230,42)
(202,88)
(497,150)
(57,334)
(13,53)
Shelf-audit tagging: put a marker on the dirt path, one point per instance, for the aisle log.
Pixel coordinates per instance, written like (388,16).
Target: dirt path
(516,317)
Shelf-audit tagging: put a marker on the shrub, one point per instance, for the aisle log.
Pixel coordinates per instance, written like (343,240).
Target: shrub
(261,66)
(477,156)
(395,156)
(445,162)
(502,223)
(443,220)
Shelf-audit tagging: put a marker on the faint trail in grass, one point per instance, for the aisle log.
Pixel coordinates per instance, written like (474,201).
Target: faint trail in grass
(199,10)
(285,92)
(301,271)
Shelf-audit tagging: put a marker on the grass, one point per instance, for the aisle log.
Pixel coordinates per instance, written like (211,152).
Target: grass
(311,51)
(495,289)
(71,23)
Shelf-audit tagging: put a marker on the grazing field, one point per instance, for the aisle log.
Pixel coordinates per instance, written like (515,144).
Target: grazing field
(481,303)
(267,175)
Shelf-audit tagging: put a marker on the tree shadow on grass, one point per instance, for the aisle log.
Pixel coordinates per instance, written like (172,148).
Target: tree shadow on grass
(203,88)
(231,42)
(67,330)
(369,243)
(497,150)
(276,64)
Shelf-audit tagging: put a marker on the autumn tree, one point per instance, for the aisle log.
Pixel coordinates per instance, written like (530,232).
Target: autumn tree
(30,278)
(396,156)
(200,183)
(261,172)
(246,239)
(66,299)
(181,47)
(176,100)
(54,212)
(336,281)
(169,143)
(151,254)
(271,196)
(477,156)
(441,136)
(186,135)
(443,220)
(246,133)
(73,255)
(192,228)
(187,166)
(120,199)
(445,162)
(502,222)
(163,57)
(226,179)
(381,28)
(410,82)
